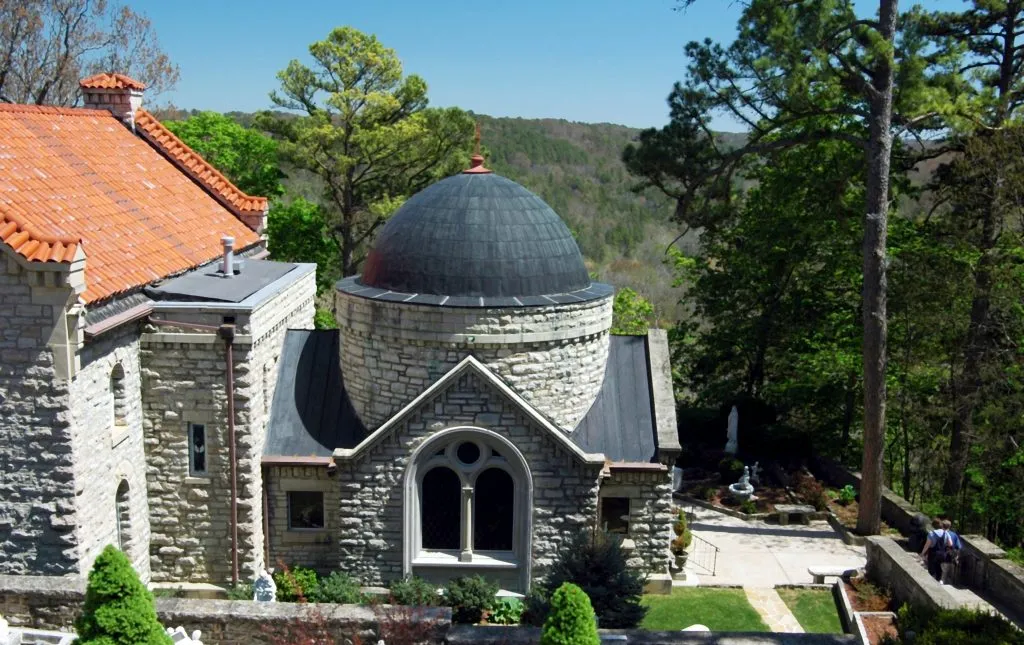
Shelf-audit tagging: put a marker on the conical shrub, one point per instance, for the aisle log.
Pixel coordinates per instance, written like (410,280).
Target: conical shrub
(118,608)
(571,620)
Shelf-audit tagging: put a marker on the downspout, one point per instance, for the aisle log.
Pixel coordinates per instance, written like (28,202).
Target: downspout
(227,332)
(266,518)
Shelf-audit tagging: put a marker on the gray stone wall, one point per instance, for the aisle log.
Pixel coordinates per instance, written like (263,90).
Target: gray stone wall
(370,535)
(184,380)
(553,356)
(37,495)
(650,516)
(314,549)
(108,449)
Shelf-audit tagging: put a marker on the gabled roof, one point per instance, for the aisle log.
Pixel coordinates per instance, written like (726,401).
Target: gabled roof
(190,162)
(470,364)
(104,81)
(80,178)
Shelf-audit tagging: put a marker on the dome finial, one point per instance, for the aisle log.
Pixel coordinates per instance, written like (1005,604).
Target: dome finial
(476,162)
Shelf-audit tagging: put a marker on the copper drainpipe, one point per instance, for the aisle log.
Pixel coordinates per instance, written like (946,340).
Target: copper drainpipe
(226,332)
(266,517)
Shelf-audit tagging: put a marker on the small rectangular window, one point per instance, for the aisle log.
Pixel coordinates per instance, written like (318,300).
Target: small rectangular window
(196,449)
(615,514)
(305,510)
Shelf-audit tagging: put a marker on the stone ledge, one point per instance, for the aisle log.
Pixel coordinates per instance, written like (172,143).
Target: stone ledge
(891,566)
(470,634)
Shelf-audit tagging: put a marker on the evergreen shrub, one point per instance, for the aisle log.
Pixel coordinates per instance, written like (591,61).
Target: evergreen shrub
(118,609)
(960,626)
(507,611)
(414,591)
(469,597)
(731,469)
(338,588)
(571,619)
(597,565)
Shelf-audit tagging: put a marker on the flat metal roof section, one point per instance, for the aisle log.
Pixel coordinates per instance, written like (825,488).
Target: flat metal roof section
(620,423)
(311,414)
(208,284)
(354,285)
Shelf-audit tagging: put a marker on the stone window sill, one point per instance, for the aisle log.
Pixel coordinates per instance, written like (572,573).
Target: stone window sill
(307,536)
(194,480)
(488,560)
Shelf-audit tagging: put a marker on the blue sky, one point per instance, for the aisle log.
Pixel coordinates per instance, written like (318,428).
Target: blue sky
(594,61)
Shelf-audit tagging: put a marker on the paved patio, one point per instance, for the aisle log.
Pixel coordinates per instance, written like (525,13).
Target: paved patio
(758,554)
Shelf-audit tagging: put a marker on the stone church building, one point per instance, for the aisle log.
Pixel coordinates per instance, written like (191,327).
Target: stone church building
(162,387)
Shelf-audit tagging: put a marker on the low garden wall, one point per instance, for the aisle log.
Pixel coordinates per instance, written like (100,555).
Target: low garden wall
(901,572)
(896,511)
(468,635)
(40,602)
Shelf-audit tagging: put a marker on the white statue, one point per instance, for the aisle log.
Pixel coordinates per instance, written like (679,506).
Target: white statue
(179,637)
(263,588)
(732,445)
(755,473)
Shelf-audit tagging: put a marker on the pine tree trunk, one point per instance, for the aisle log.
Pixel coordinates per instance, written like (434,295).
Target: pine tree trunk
(875,285)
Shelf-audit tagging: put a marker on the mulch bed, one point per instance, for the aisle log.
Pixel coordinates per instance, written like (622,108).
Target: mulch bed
(847,514)
(766,500)
(865,596)
(878,627)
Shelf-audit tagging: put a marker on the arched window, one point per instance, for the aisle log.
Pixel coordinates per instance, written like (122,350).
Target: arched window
(441,493)
(494,514)
(123,516)
(118,396)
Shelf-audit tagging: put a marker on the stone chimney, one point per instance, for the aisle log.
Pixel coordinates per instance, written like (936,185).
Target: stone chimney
(117,93)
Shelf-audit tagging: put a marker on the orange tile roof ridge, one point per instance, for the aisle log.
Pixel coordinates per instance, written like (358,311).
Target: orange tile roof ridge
(16,108)
(193,164)
(34,245)
(104,80)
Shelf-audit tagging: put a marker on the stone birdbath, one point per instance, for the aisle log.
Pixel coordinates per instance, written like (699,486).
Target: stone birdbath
(742,490)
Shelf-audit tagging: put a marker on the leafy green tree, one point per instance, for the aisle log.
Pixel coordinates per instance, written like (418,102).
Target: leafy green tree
(571,620)
(299,231)
(799,73)
(365,130)
(245,156)
(631,313)
(118,609)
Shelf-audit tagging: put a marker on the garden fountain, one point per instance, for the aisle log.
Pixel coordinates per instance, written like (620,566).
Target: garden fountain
(742,490)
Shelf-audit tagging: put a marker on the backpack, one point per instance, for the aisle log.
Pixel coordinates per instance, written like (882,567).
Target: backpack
(942,545)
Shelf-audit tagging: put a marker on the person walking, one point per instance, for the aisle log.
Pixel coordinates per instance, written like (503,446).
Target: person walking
(934,552)
(952,553)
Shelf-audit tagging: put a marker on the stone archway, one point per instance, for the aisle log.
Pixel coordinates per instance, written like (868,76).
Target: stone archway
(481,481)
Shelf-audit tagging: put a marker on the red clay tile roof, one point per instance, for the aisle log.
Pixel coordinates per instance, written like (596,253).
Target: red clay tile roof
(189,161)
(110,82)
(73,174)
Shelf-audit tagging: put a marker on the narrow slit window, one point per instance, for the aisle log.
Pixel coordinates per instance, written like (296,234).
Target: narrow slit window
(196,449)
(305,510)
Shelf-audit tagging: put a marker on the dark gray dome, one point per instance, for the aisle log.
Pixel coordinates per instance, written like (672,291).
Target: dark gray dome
(476,235)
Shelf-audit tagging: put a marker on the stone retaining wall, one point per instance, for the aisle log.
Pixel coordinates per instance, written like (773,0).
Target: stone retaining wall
(892,567)
(471,635)
(984,566)
(553,356)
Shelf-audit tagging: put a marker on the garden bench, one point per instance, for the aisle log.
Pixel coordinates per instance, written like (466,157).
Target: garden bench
(801,510)
(820,572)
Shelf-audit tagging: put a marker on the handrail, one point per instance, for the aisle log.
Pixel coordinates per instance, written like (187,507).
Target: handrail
(702,552)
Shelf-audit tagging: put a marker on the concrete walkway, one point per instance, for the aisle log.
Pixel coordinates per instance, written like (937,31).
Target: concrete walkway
(773,610)
(757,554)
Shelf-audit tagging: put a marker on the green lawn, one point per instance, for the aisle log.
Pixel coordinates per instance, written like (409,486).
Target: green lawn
(722,610)
(815,609)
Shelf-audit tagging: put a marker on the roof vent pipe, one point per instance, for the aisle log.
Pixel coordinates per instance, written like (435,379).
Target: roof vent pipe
(228,268)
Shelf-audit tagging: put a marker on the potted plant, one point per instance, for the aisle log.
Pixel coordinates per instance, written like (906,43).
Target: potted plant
(682,539)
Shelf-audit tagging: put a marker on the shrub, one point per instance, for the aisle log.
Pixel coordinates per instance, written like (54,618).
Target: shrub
(960,626)
(748,506)
(812,492)
(536,606)
(507,611)
(679,526)
(597,565)
(469,597)
(241,591)
(571,620)
(414,591)
(731,469)
(295,585)
(709,494)
(847,495)
(338,588)
(118,609)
